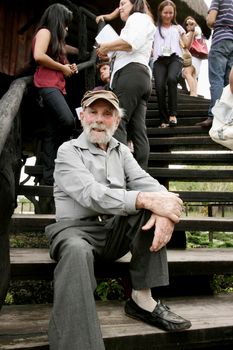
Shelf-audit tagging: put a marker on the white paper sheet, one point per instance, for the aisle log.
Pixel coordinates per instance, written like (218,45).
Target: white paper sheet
(107,34)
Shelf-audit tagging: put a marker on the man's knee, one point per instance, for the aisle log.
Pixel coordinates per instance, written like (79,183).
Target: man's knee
(75,248)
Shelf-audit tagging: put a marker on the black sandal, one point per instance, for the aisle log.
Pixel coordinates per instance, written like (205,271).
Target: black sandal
(172,121)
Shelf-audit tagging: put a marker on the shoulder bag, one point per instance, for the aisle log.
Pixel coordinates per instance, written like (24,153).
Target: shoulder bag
(199,48)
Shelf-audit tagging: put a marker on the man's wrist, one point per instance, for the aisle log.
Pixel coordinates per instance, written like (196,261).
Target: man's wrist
(145,200)
(140,201)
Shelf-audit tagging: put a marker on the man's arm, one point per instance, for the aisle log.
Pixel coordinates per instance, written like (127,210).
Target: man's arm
(211,18)
(231,80)
(166,204)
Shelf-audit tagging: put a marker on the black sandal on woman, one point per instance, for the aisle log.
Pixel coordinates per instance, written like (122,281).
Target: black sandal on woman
(172,121)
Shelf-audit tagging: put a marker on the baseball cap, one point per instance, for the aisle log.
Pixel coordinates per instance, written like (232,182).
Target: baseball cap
(91,96)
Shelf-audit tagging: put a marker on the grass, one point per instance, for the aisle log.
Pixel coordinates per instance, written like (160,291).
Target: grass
(201,239)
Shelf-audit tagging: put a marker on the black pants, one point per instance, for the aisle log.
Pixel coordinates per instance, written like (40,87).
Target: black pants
(166,73)
(59,123)
(132,85)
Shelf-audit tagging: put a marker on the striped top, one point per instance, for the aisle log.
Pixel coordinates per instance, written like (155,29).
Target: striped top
(223,27)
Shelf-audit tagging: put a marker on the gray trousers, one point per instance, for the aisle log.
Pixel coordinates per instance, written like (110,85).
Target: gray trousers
(75,245)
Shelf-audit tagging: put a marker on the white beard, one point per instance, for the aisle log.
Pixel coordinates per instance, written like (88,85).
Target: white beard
(102,137)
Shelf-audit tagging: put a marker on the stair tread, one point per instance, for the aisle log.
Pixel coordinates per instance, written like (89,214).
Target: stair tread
(190,196)
(211,317)
(191,174)
(186,157)
(24,256)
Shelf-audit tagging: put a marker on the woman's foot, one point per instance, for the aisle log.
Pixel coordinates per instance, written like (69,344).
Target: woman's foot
(172,121)
(163,125)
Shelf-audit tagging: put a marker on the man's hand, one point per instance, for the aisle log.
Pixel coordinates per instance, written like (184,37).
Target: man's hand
(163,231)
(165,204)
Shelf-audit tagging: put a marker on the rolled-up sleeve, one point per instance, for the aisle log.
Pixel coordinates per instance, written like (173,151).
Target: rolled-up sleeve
(137,30)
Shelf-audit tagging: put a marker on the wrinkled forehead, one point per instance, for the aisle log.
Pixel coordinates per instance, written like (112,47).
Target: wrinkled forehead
(102,104)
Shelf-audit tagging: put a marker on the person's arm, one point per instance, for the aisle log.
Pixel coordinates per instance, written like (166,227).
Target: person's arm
(42,41)
(188,37)
(166,204)
(117,45)
(108,17)
(211,18)
(231,80)
(71,50)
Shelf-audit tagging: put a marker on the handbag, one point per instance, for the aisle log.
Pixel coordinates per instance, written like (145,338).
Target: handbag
(222,127)
(186,55)
(199,48)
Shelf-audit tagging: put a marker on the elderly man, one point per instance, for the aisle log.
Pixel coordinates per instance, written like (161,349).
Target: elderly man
(106,205)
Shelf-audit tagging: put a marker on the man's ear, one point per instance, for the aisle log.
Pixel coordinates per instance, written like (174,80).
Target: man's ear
(81,114)
(118,119)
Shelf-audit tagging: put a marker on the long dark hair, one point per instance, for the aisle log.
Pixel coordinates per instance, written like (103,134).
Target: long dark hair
(159,11)
(139,6)
(56,18)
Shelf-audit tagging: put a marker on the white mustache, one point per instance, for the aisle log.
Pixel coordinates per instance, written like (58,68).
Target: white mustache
(96,126)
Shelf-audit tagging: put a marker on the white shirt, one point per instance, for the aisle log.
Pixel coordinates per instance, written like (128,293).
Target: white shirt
(170,41)
(139,32)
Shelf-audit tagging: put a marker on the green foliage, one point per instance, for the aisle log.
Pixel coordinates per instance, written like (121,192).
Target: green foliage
(110,289)
(28,240)
(29,292)
(201,240)
(202,186)
(222,283)
(9,299)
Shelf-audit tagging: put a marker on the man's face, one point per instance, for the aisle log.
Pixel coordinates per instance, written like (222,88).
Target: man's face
(105,73)
(99,121)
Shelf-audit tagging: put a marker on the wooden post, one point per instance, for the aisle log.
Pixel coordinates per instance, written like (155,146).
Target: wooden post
(7,200)
(210,214)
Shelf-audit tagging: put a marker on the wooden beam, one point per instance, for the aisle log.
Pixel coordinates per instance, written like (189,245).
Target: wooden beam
(9,106)
(37,222)
(35,263)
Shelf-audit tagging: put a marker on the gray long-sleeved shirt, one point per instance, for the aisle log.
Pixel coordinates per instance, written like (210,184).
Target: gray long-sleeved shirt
(90,181)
